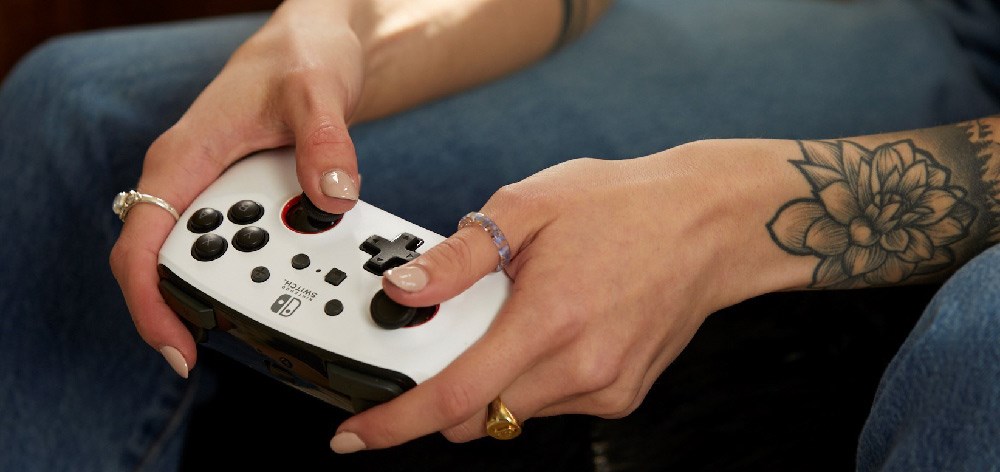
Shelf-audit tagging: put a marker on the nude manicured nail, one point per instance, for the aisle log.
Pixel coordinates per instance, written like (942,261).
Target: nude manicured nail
(176,360)
(346,442)
(337,183)
(411,278)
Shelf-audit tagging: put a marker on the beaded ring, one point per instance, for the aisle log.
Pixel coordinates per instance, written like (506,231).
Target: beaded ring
(499,240)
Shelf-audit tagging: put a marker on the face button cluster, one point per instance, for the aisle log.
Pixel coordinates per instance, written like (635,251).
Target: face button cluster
(210,246)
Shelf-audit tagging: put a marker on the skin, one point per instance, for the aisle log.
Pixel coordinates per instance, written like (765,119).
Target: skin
(316,68)
(696,221)
(704,224)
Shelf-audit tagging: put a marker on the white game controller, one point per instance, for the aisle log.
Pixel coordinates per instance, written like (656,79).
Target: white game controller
(251,258)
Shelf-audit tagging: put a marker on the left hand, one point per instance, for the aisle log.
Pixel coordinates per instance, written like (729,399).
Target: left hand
(616,264)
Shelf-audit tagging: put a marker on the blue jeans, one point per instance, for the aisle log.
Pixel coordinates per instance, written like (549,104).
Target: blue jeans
(80,391)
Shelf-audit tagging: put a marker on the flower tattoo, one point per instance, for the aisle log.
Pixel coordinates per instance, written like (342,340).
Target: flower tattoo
(877,217)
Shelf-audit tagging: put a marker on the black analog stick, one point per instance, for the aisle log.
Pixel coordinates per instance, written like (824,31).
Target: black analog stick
(305,217)
(388,314)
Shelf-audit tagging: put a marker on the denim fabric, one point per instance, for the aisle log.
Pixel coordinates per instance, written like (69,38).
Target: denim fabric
(938,405)
(78,388)
(657,74)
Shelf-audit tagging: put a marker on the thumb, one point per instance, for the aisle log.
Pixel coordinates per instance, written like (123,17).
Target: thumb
(450,267)
(326,162)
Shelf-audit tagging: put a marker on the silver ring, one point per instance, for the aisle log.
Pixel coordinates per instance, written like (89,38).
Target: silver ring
(499,240)
(124,202)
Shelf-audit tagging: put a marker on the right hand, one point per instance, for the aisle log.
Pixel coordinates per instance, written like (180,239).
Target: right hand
(297,81)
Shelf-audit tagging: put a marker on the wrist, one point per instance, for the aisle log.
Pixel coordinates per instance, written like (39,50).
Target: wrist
(744,182)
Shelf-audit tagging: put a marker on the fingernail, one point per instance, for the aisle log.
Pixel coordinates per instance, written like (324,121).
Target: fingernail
(346,442)
(337,183)
(176,360)
(411,278)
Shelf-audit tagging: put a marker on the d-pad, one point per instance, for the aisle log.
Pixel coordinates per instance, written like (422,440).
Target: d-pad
(388,254)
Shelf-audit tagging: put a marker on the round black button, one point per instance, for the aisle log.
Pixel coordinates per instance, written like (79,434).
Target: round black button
(204,220)
(300,261)
(260,274)
(333,307)
(250,239)
(245,212)
(209,247)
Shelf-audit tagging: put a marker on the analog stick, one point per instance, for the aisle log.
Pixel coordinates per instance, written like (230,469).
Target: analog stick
(305,217)
(388,314)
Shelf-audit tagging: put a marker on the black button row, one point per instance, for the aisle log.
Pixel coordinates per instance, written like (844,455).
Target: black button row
(242,212)
(209,247)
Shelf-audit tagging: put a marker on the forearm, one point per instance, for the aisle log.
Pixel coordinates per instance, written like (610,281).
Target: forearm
(893,208)
(418,50)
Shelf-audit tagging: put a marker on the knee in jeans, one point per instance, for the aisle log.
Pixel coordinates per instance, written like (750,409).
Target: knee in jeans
(966,311)
(51,82)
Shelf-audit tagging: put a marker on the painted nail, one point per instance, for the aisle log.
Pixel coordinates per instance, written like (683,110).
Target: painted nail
(411,278)
(346,442)
(337,183)
(176,360)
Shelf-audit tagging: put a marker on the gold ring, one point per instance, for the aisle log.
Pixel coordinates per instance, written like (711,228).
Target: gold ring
(500,422)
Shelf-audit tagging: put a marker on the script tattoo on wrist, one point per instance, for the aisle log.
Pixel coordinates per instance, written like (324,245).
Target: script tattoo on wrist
(897,211)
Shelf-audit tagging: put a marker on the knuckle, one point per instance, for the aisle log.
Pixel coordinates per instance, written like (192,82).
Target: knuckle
(455,253)
(512,197)
(455,402)
(620,413)
(193,162)
(304,91)
(614,403)
(328,132)
(298,81)
(462,433)
(561,325)
(596,373)
(382,434)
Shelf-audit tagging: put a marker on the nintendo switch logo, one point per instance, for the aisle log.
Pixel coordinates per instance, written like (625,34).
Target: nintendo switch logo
(285,305)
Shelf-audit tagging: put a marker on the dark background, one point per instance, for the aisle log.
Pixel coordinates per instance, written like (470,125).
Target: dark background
(26,23)
(782,382)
